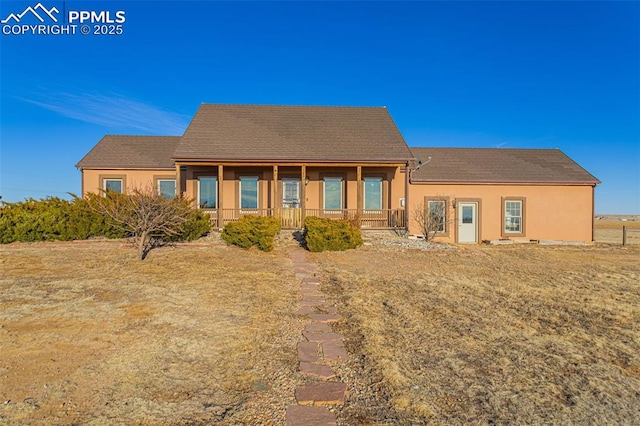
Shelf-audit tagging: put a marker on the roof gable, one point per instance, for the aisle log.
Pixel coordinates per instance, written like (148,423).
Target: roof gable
(292,133)
(499,165)
(131,152)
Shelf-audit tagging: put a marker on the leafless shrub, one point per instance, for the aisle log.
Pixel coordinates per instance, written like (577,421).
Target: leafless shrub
(430,219)
(143,213)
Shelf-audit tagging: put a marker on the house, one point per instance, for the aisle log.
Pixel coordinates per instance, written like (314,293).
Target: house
(348,162)
(517,194)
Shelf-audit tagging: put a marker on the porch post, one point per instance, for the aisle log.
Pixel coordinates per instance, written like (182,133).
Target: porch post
(220,185)
(407,181)
(303,192)
(359,190)
(178,182)
(274,204)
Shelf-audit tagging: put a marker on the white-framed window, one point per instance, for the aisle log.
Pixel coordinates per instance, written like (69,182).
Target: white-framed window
(249,192)
(333,193)
(437,211)
(373,193)
(113,185)
(513,223)
(208,192)
(167,188)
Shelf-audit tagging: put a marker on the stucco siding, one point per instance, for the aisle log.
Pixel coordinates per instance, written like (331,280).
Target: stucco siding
(92,179)
(551,212)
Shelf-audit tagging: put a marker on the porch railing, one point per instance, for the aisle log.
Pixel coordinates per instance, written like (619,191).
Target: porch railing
(292,217)
(368,219)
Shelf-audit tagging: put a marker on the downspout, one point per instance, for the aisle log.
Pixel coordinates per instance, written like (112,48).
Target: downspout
(593,214)
(407,182)
(81,182)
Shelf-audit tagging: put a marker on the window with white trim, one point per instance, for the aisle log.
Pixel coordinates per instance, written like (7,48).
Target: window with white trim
(167,188)
(208,192)
(249,192)
(513,216)
(373,193)
(437,215)
(333,193)
(113,185)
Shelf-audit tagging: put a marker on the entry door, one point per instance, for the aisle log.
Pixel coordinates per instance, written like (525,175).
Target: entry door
(290,193)
(467,222)
(291,211)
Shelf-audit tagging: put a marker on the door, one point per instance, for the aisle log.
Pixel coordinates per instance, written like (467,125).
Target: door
(467,223)
(291,211)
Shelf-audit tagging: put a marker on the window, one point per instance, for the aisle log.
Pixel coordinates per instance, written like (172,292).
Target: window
(249,192)
(208,192)
(333,193)
(373,193)
(114,185)
(514,216)
(167,188)
(437,215)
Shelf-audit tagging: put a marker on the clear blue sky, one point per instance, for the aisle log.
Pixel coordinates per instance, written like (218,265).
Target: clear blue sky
(459,74)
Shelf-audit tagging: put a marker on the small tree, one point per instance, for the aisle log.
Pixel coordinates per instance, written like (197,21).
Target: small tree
(430,219)
(144,214)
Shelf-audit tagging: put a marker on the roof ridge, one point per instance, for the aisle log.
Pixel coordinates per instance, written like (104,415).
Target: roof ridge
(140,136)
(296,105)
(484,148)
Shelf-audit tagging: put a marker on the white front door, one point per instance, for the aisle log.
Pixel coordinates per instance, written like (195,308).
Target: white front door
(467,222)
(290,193)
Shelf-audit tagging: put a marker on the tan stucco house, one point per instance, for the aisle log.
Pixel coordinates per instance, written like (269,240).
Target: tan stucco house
(297,161)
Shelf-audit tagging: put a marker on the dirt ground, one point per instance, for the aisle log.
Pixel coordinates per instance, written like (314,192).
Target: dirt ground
(206,334)
(193,335)
(489,334)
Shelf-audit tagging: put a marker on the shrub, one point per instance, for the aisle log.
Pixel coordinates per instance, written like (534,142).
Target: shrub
(322,234)
(147,216)
(197,224)
(52,218)
(251,230)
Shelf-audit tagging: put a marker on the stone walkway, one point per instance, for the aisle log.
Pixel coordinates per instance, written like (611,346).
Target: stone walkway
(320,344)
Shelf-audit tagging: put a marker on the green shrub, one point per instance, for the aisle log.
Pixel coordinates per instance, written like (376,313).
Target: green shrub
(251,230)
(322,234)
(197,225)
(52,218)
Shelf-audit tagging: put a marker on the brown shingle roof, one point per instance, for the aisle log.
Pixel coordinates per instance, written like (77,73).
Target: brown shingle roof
(488,165)
(144,152)
(292,133)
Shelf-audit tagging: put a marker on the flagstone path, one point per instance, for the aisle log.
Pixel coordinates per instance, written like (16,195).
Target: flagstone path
(320,346)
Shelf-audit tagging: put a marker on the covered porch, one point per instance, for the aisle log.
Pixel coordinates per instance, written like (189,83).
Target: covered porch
(370,195)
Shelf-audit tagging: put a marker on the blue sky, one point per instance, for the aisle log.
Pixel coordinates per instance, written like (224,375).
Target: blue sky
(460,74)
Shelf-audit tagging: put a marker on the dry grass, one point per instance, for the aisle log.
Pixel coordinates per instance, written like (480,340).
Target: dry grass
(610,231)
(192,335)
(204,334)
(490,335)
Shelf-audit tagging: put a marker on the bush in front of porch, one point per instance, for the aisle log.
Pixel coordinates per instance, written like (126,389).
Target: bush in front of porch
(251,230)
(322,234)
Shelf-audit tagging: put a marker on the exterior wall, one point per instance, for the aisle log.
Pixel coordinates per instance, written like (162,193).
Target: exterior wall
(550,212)
(92,179)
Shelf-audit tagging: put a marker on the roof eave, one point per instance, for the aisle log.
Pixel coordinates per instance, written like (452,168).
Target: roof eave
(111,167)
(291,160)
(493,182)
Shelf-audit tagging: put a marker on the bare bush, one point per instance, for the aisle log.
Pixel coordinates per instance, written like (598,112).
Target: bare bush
(430,219)
(143,213)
